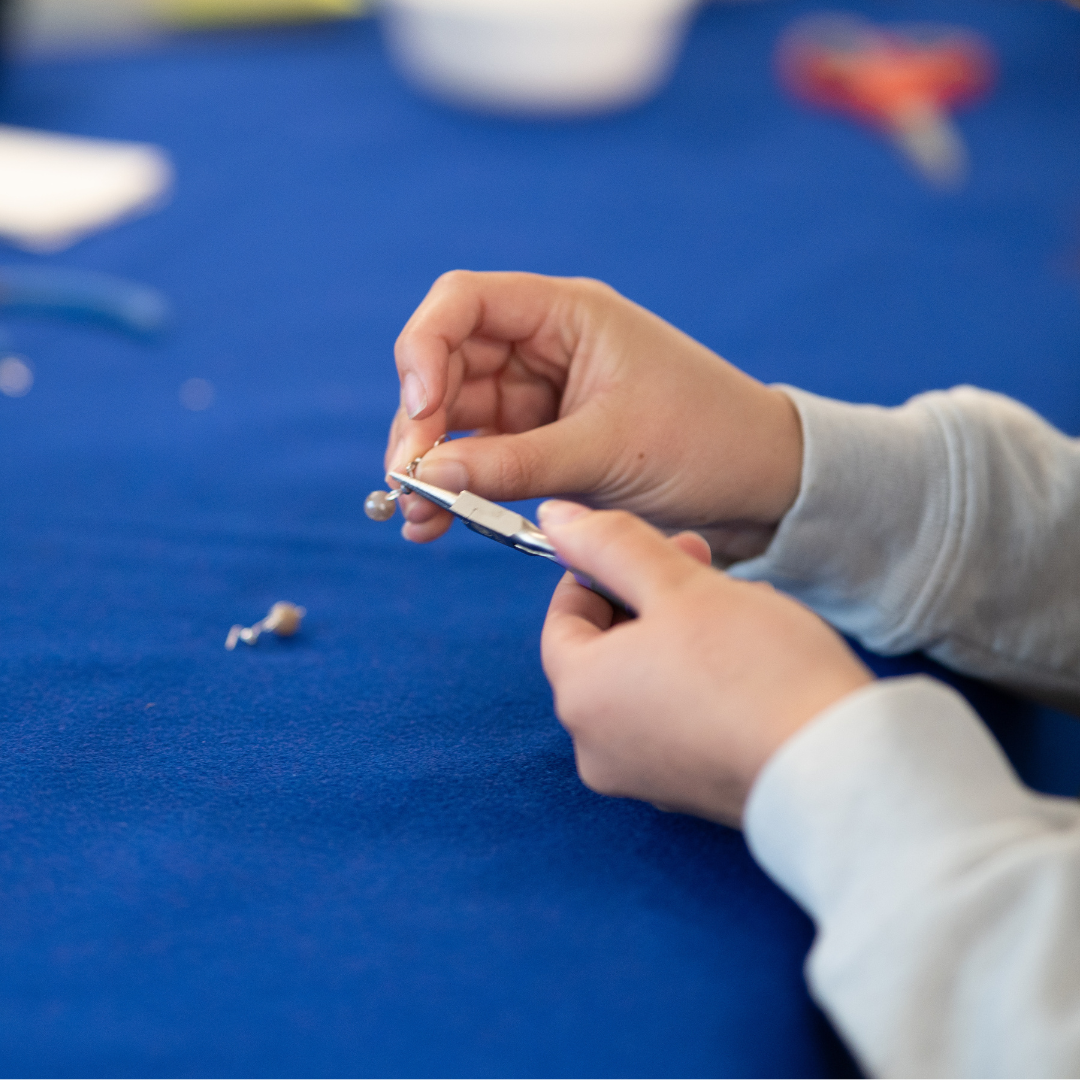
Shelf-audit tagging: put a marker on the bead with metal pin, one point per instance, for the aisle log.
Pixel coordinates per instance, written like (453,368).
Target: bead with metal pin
(283,619)
(379,505)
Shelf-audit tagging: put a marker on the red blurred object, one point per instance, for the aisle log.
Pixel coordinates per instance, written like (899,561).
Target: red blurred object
(901,80)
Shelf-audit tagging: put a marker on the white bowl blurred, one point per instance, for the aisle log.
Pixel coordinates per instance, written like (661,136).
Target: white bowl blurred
(537,56)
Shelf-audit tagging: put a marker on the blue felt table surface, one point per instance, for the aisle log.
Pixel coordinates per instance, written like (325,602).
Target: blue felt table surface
(365,851)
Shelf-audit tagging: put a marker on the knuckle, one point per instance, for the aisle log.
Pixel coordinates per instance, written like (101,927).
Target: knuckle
(620,519)
(516,467)
(614,525)
(452,279)
(574,704)
(595,772)
(550,661)
(600,290)
(402,345)
(570,715)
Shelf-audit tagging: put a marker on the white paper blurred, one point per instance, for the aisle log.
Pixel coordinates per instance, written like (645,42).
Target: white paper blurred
(56,189)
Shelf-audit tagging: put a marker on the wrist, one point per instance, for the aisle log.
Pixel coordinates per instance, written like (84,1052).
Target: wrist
(814,698)
(761,477)
(782,456)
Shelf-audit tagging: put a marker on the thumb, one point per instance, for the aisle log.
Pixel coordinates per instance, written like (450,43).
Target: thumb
(553,459)
(628,556)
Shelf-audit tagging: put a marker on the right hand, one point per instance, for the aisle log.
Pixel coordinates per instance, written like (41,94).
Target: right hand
(570,389)
(685,704)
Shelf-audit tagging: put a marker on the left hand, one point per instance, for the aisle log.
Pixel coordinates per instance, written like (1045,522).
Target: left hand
(684,705)
(569,387)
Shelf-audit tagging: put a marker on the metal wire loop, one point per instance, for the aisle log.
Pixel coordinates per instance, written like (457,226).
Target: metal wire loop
(410,469)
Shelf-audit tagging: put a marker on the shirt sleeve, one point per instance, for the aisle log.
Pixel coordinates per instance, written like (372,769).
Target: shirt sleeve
(944,892)
(948,525)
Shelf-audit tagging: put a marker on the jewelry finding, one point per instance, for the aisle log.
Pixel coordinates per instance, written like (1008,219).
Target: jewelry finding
(282,619)
(379,505)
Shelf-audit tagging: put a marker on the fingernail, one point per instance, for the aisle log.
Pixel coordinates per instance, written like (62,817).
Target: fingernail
(558,512)
(448,474)
(413,394)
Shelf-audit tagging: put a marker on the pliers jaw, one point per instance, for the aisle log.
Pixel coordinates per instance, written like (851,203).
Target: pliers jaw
(496,522)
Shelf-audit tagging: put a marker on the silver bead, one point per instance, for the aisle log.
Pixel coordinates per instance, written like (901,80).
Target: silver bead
(379,506)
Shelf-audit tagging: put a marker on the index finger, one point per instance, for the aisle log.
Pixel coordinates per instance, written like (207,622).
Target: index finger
(629,556)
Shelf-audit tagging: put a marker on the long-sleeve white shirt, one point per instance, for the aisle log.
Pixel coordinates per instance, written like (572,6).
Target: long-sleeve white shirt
(946,895)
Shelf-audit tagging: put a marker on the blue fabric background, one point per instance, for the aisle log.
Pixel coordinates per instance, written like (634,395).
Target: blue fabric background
(365,850)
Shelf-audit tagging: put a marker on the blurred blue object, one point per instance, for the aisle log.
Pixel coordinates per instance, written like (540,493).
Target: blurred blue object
(84,294)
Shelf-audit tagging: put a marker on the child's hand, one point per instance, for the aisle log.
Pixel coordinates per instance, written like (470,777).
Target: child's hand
(579,391)
(683,705)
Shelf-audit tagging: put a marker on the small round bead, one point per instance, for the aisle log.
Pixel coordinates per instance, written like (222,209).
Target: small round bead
(284,619)
(379,506)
